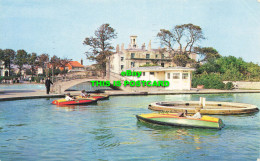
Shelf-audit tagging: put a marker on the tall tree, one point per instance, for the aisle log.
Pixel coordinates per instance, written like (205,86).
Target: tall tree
(178,33)
(7,56)
(193,34)
(185,35)
(1,55)
(63,62)
(167,39)
(100,46)
(207,53)
(33,62)
(21,59)
(55,61)
(43,60)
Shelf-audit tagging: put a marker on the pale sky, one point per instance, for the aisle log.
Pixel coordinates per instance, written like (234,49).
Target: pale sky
(60,26)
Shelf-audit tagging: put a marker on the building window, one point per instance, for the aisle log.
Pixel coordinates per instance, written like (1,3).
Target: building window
(162,56)
(132,64)
(185,75)
(169,75)
(162,64)
(122,58)
(132,55)
(151,73)
(156,56)
(143,73)
(147,63)
(175,75)
(122,67)
(147,56)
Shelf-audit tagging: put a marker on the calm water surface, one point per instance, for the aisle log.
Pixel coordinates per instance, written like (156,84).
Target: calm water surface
(36,130)
(22,86)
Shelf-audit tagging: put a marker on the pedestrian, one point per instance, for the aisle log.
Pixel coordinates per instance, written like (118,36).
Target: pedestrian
(48,85)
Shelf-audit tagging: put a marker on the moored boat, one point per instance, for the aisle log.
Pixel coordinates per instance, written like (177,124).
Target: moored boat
(172,119)
(80,101)
(99,96)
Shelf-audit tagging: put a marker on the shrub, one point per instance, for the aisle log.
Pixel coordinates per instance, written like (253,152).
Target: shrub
(229,86)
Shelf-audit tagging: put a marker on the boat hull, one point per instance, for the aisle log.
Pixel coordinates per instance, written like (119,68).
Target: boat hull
(99,96)
(174,120)
(74,102)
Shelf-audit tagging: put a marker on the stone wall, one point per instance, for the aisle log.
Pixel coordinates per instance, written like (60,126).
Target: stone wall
(245,85)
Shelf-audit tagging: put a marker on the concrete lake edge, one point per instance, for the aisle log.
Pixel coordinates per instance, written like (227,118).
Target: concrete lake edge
(9,95)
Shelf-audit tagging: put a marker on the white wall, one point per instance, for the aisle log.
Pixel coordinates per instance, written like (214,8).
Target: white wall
(178,84)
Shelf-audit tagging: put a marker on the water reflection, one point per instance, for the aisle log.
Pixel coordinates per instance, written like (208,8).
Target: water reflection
(192,136)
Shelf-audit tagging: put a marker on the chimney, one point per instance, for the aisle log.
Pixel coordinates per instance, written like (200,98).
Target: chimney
(81,61)
(150,46)
(117,48)
(143,46)
(122,47)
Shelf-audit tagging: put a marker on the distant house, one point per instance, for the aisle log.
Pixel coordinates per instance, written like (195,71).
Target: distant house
(75,66)
(179,77)
(2,68)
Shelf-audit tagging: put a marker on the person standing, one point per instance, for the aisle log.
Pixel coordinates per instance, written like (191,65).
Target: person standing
(48,85)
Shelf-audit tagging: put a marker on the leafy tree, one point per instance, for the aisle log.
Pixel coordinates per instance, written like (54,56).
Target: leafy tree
(207,53)
(100,46)
(55,61)
(180,60)
(43,60)
(1,55)
(63,62)
(210,81)
(7,56)
(21,59)
(191,33)
(33,62)
(167,39)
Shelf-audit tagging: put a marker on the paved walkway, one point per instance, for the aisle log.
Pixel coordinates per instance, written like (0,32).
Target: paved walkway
(6,95)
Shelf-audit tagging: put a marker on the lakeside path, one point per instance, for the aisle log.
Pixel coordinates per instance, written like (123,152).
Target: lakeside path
(8,95)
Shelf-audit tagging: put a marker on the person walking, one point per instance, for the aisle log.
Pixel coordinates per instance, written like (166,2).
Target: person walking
(48,85)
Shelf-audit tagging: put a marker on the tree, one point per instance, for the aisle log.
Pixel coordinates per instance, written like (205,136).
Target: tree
(63,62)
(180,60)
(21,59)
(207,53)
(55,61)
(100,46)
(178,33)
(167,39)
(7,56)
(1,55)
(191,33)
(33,62)
(43,60)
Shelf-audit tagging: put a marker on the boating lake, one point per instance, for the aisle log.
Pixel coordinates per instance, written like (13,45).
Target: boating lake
(36,130)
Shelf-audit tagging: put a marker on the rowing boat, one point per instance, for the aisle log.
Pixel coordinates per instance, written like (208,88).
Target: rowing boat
(81,101)
(173,119)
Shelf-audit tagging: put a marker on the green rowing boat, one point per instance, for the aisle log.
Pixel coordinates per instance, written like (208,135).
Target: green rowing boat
(173,119)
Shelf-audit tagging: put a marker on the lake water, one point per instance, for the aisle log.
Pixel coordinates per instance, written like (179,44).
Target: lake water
(22,86)
(36,130)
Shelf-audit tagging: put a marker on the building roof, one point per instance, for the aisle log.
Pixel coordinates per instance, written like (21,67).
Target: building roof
(159,68)
(76,64)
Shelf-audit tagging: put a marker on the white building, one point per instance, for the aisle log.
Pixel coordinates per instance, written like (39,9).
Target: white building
(135,56)
(179,77)
(2,68)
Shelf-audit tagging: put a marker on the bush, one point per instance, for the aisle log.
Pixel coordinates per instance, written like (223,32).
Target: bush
(210,81)
(229,86)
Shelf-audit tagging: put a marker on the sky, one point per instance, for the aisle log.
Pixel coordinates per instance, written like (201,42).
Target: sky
(59,27)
